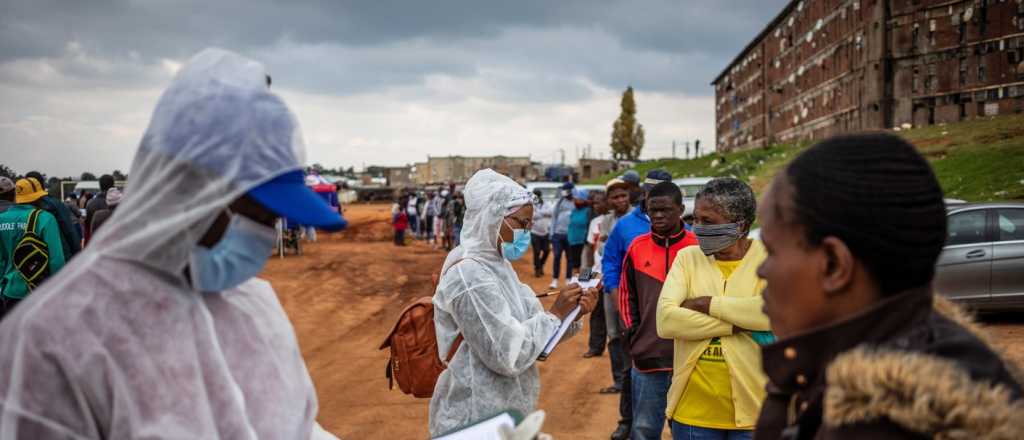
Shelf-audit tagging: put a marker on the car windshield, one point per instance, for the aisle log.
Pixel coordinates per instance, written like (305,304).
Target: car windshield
(690,190)
(549,193)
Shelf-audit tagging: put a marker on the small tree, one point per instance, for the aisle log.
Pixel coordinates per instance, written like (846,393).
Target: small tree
(87,176)
(627,135)
(6,171)
(118,175)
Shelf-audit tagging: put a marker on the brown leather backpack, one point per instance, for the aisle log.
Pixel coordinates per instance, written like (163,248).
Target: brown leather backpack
(414,362)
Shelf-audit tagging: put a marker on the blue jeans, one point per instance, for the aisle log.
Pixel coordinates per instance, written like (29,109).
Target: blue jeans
(688,432)
(650,395)
(559,246)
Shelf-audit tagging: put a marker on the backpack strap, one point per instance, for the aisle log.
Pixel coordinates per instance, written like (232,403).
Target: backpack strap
(33,220)
(458,337)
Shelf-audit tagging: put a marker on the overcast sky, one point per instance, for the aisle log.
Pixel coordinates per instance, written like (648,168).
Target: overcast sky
(376,81)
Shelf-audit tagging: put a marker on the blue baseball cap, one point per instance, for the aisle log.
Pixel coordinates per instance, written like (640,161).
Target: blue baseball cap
(655,177)
(289,197)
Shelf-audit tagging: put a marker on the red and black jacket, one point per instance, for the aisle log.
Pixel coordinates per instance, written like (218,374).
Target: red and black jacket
(644,269)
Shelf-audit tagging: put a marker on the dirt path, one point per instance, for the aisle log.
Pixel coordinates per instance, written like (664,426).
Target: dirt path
(342,296)
(345,292)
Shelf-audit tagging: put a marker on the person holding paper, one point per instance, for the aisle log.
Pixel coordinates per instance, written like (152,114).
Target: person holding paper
(711,305)
(503,325)
(647,262)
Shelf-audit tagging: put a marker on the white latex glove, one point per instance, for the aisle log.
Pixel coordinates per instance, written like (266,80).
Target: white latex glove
(529,429)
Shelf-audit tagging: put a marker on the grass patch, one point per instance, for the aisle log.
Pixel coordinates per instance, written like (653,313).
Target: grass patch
(979,160)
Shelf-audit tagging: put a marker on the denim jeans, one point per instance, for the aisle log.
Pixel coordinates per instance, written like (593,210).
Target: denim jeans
(688,432)
(650,395)
(559,246)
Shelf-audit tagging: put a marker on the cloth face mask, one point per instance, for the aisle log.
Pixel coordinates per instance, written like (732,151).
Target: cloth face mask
(715,238)
(239,255)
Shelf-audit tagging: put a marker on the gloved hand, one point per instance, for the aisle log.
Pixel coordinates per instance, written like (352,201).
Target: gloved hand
(529,429)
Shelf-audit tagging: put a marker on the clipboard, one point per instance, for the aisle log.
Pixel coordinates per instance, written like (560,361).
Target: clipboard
(586,281)
(486,428)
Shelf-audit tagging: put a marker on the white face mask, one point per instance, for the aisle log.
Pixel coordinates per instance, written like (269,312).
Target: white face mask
(239,255)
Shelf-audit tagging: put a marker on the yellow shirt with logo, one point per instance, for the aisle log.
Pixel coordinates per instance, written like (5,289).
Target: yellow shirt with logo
(707,398)
(735,302)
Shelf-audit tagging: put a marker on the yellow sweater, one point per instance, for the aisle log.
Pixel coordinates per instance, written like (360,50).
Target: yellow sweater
(737,302)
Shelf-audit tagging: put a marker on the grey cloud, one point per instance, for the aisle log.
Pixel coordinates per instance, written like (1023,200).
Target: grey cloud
(371,45)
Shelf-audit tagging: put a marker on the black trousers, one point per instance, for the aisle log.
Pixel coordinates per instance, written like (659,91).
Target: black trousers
(626,395)
(541,245)
(575,257)
(399,237)
(598,328)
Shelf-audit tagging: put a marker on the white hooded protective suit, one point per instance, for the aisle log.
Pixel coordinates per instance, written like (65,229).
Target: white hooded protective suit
(503,324)
(118,345)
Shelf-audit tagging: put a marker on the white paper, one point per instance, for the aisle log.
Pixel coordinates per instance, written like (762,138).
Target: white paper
(561,331)
(485,430)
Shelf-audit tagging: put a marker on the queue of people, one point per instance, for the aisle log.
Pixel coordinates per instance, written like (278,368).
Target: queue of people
(829,328)
(435,217)
(813,333)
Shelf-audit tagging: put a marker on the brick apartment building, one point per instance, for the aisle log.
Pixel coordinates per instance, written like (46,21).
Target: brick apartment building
(823,67)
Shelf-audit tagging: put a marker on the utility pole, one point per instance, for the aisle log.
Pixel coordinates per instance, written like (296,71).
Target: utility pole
(687,149)
(696,145)
(563,155)
(673,149)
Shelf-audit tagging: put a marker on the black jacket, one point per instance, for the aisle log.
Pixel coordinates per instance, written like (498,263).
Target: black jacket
(913,366)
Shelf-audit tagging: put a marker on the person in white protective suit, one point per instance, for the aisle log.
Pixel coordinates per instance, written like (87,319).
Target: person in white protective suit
(503,324)
(159,329)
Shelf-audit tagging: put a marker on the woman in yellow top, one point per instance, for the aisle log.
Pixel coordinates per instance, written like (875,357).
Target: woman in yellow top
(711,306)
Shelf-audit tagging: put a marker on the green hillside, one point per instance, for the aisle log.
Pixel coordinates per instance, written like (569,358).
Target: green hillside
(979,160)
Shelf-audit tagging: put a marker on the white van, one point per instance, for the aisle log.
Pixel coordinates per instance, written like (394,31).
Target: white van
(690,186)
(549,190)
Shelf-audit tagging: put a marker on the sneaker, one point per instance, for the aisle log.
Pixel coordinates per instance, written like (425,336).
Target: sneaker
(554,284)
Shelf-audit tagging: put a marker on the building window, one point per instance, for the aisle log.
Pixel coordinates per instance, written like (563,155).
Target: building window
(915,84)
(982,75)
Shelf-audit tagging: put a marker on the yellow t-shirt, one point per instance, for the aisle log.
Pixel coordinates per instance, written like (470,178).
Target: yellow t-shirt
(707,399)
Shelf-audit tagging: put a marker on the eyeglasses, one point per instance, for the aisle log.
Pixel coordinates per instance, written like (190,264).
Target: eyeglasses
(523,224)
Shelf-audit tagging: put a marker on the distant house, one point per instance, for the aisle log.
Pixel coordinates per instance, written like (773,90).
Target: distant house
(458,169)
(398,177)
(591,168)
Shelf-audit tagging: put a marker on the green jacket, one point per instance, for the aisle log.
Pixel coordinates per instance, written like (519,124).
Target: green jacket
(12,227)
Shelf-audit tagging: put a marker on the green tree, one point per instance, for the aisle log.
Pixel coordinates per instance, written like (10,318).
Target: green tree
(118,175)
(87,176)
(627,134)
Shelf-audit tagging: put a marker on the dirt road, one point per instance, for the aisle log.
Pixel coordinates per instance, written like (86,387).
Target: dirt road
(344,293)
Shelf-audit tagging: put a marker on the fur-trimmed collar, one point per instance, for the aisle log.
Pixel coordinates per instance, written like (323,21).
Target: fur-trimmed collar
(921,393)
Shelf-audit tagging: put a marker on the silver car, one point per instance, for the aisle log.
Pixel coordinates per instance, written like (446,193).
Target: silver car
(982,264)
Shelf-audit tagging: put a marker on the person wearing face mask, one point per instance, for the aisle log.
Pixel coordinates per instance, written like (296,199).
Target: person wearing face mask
(503,325)
(161,329)
(561,217)
(710,305)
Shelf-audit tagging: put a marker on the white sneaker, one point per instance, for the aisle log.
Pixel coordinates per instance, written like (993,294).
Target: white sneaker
(554,284)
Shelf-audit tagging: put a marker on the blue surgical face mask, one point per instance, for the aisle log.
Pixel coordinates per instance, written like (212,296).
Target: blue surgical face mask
(517,248)
(239,255)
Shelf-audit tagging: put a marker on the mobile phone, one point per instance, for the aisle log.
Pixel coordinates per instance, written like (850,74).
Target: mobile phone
(585,275)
